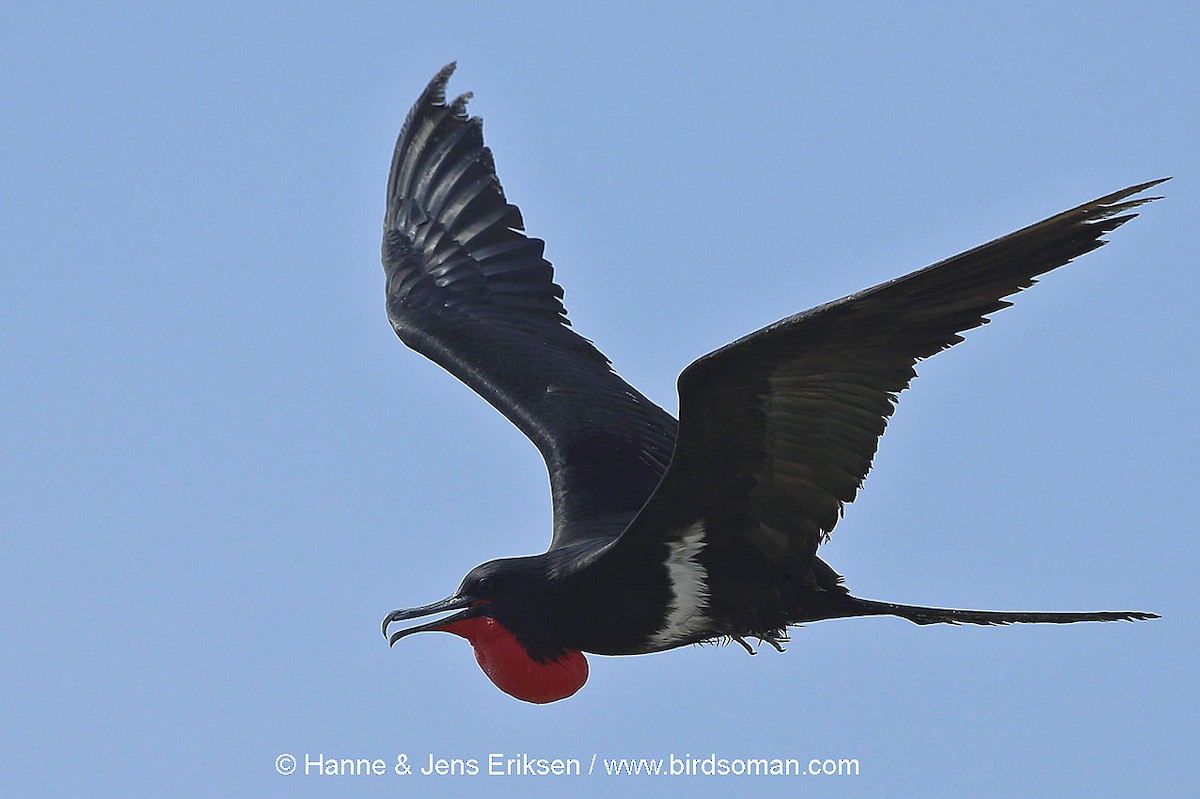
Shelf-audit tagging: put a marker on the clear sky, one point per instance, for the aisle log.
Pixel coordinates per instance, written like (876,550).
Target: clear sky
(221,468)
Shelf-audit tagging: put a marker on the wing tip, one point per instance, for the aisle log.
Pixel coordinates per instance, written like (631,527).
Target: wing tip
(1112,203)
(1106,214)
(435,92)
(434,95)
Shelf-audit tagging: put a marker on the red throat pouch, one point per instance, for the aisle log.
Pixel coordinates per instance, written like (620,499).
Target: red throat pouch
(508,665)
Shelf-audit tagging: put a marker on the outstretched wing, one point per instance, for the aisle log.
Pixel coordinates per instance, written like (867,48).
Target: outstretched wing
(469,290)
(778,429)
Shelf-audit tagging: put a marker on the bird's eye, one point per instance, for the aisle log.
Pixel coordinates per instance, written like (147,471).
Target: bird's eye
(484,586)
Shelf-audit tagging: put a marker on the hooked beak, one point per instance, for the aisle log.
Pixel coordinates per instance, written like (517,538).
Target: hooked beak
(472,607)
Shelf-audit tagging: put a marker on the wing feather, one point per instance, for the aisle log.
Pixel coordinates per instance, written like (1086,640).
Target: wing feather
(468,289)
(779,429)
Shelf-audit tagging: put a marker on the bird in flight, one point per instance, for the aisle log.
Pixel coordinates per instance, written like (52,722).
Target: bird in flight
(669,533)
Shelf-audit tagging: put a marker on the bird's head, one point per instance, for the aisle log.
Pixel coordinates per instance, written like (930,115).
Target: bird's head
(506,609)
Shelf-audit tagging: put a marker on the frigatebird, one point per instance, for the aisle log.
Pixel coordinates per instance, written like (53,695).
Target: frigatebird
(670,533)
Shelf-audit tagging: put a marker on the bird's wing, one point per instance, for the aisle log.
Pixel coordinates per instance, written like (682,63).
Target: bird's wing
(778,429)
(469,290)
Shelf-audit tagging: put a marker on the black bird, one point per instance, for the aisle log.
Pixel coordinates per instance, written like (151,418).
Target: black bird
(670,533)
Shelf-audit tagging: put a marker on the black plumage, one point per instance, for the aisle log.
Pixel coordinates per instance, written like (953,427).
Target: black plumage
(469,290)
(777,430)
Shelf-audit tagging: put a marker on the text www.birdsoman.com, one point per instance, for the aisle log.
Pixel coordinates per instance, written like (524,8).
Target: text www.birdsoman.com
(499,764)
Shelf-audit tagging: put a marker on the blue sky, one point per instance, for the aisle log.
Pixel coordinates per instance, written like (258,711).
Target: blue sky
(221,468)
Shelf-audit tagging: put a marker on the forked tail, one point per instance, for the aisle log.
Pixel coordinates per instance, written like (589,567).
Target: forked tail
(920,615)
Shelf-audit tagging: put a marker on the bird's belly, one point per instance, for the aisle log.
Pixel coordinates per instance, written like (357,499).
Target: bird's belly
(686,620)
(694,631)
(658,642)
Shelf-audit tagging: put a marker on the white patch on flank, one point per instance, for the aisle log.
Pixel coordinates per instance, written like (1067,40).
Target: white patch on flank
(689,589)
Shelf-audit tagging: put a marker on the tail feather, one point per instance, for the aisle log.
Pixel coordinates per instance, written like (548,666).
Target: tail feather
(922,615)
